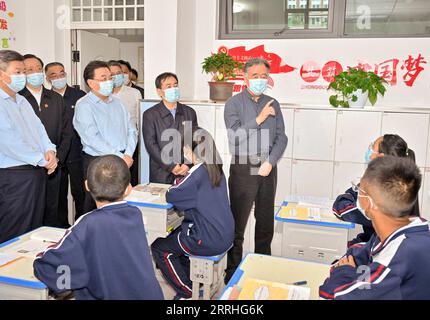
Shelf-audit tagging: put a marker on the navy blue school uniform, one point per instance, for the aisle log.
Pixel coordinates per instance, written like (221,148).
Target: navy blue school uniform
(398,268)
(345,208)
(207,229)
(108,256)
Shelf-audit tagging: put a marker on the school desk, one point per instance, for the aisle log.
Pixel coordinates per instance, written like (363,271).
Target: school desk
(17,280)
(278,270)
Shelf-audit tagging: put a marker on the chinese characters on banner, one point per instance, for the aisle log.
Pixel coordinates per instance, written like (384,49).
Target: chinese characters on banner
(6,35)
(393,70)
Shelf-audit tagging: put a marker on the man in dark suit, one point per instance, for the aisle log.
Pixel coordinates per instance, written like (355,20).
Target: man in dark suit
(50,108)
(168,114)
(72,167)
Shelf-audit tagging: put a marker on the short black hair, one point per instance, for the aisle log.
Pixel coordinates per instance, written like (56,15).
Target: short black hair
(126,63)
(396,146)
(108,178)
(397,180)
(32,56)
(92,67)
(112,63)
(134,71)
(53,64)
(8,56)
(163,77)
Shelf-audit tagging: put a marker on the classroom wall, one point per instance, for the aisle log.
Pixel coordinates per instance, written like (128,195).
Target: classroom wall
(130,53)
(288,87)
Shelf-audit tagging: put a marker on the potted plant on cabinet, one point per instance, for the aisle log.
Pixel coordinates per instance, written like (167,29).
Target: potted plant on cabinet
(221,66)
(355,86)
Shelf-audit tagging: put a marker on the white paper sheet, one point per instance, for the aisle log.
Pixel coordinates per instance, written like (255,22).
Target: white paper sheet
(5,258)
(30,248)
(51,235)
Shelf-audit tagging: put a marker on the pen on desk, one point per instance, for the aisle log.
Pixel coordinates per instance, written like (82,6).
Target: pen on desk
(299,283)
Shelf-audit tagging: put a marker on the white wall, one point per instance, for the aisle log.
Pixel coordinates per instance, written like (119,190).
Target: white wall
(130,53)
(290,87)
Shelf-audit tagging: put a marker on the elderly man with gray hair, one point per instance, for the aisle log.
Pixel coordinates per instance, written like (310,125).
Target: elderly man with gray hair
(257,141)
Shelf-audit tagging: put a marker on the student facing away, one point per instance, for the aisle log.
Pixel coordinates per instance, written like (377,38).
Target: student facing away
(208,226)
(106,251)
(395,262)
(345,207)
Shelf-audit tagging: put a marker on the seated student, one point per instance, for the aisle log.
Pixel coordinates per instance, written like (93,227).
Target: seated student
(208,227)
(106,251)
(395,263)
(345,206)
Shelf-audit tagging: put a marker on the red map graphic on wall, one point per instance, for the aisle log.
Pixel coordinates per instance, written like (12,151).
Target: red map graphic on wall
(240,54)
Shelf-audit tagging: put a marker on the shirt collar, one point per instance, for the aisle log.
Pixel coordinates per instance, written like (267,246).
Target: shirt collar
(166,111)
(416,225)
(5,96)
(113,204)
(96,99)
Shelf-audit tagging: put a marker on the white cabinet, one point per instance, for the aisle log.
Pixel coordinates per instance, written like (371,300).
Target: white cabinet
(288,116)
(314,134)
(425,200)
(355,131)
(413,127)
(283,188)
(206,117)
(344,173)
(312,178)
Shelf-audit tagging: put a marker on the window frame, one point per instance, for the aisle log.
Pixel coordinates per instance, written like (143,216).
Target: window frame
(336,27)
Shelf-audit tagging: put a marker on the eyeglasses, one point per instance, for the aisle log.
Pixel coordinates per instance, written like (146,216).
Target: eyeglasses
(360,191)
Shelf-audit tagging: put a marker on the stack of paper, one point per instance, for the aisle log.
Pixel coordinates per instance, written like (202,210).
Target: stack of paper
(48,235)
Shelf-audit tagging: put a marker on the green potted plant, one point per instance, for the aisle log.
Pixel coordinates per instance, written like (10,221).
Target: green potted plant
(355,86)
(221,66)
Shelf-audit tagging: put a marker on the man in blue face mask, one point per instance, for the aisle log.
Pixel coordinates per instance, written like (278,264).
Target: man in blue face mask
(169,114)
(50,108)
(103,122)
(130,98)
(257,141)
(27,155)
(72,166)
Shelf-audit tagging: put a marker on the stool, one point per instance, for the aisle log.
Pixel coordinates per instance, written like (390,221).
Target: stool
(208,271)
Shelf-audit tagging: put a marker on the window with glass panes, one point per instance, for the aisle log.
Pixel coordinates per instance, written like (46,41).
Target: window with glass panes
(107,10)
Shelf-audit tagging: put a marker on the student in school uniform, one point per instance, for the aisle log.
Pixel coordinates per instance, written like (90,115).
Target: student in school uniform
(208,226)
(105,253)
(345,207)
(395,262)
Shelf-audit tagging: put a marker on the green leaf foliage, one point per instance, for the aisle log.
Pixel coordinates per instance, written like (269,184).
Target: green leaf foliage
(221,65)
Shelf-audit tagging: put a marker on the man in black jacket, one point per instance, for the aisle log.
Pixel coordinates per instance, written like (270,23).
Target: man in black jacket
(57,77)
(50,108)
(127,69)
(168,114)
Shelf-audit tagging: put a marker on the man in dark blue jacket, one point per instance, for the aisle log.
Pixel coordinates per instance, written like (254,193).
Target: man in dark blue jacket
(395,263)
(56,76)
(105,255)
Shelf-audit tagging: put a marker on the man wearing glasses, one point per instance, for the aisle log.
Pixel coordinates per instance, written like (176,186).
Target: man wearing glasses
(102,122)
(72,167)
(395,263)
(257,141)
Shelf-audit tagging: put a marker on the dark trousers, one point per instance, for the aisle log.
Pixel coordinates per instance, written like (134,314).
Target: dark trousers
(73,170)
(50,217)
(134,170)
(22,201)
(89,203)
(173,263)
(247,188)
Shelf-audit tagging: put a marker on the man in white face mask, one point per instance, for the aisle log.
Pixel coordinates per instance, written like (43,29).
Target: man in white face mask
(49,106)
(26,153)
(72,166)
(128,76)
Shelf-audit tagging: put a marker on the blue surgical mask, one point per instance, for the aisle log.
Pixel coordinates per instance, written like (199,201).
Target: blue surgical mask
(106,88)
(36,79)
(367,156)
(59,83)
(172,95)
(362,210)
(258,86)
(18,82)
(118,80)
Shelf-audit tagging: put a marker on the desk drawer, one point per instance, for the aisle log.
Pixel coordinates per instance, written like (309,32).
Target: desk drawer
(160,220)
(314,243)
